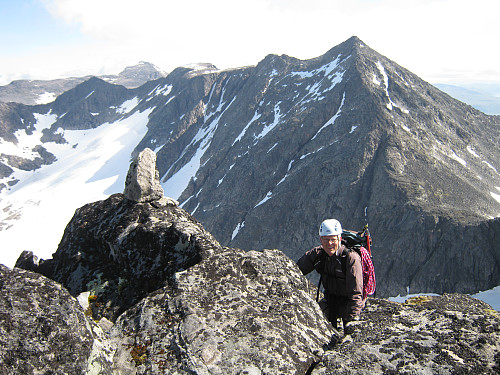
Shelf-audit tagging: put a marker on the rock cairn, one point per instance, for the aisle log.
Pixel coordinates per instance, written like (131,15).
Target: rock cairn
(143,179)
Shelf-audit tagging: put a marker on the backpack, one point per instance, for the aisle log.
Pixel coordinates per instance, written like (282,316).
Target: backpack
(361,243)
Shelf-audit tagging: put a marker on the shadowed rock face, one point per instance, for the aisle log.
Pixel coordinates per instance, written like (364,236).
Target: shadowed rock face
(261,155)
(168,298)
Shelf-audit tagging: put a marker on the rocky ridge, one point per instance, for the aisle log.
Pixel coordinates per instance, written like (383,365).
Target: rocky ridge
(158,294)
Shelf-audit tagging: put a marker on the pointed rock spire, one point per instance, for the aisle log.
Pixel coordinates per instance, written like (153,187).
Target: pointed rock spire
(143,179)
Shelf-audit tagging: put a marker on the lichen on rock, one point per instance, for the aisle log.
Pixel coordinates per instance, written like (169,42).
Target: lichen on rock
(43,329)
(448,334)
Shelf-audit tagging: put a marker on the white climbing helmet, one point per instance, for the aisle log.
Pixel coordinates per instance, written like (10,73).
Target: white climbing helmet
(330,227)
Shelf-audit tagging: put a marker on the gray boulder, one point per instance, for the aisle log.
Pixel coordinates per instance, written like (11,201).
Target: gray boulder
(143,179)
(234,313)
(43,329)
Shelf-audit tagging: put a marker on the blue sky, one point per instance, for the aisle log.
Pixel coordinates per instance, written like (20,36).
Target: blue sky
(442,41)
(27,26)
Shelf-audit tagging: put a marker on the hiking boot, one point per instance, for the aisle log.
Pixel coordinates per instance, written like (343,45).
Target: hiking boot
(334,340)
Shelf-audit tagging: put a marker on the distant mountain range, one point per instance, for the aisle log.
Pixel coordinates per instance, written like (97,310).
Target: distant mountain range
(485,97)
(45,91)
(262,154)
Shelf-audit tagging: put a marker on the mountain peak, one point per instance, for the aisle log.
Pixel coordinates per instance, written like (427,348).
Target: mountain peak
(354,41)
(136,75)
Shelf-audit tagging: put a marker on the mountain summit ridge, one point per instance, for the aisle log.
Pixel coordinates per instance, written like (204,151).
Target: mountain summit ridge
(262,154)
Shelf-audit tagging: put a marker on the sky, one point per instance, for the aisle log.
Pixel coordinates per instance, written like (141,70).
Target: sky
(442,41)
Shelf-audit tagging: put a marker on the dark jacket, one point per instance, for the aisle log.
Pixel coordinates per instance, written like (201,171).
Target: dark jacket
(342,278)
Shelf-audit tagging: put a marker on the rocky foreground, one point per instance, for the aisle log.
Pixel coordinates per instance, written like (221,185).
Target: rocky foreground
(138,286)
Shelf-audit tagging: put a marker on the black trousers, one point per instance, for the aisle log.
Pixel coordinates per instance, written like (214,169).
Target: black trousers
(335,307)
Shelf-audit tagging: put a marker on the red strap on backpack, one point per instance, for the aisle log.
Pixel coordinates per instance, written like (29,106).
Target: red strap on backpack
(369,282)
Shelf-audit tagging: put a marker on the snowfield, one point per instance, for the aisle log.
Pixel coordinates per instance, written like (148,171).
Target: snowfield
(93,165)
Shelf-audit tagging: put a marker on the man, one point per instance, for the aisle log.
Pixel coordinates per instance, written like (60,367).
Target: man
(341,273)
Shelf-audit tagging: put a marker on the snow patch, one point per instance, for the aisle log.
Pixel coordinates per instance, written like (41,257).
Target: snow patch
(201,68)
(283,179)
(127,106)
(495,196)
(332,120)
(489,165)
(454,156)
(269,127)
(178,182)
(161,90)
(404,127)
(26,142)
(255,117)
(221,104)
(46,97)
(472,152)
(385,81)
(220,180)
(266,198)
(290,167)
(442,149)
(329,72)
(237,229)
(196,208)
(273,146)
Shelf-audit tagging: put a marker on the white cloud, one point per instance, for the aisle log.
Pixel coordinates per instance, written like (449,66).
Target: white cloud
(436,39)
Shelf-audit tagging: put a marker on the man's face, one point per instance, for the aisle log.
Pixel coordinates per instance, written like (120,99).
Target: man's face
(330,244)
